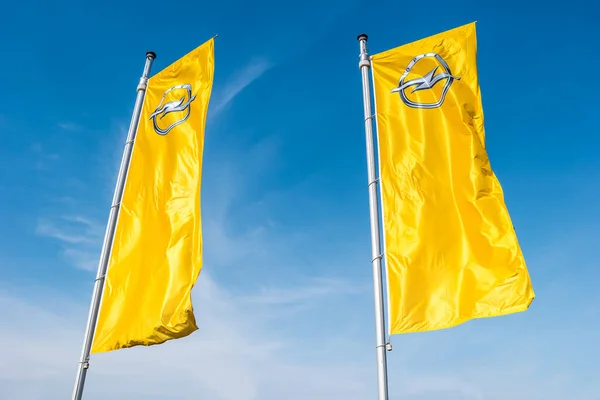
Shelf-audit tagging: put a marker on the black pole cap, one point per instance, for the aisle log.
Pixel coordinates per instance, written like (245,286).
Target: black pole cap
(362,36)
(151,54)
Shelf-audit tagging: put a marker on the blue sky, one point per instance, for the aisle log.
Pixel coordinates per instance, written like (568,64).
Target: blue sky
(284,301)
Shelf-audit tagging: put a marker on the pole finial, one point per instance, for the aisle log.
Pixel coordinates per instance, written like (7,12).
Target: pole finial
(362,36)
(151,54)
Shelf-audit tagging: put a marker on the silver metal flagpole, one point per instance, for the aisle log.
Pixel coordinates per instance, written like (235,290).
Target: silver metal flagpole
(110,230)
(382,384)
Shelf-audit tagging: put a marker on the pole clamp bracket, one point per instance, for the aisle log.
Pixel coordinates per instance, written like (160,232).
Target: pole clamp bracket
(373,182)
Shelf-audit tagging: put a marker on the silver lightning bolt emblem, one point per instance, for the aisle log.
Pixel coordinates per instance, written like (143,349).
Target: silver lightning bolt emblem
(173,106)
(426,82)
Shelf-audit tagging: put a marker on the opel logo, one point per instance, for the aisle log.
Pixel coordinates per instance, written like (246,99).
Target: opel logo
(179,108)
(426,82)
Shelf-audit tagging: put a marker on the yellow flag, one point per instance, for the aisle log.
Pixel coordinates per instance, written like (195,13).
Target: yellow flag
(157,251)
(451,250)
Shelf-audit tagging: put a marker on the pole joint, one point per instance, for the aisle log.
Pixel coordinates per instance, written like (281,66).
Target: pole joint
(364,61)
(143,85)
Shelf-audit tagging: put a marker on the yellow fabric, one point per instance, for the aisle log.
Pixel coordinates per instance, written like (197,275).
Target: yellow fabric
(450,248)
(157,250)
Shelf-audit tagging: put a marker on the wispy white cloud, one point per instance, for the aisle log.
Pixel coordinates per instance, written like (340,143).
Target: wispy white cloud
(234,355)
(239,81)
(61,199)
(82,259)
(43,158)
(79,238)
(47,228)
(308,338)
(227,178)
(69,126)
(242,352)
(317,289)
